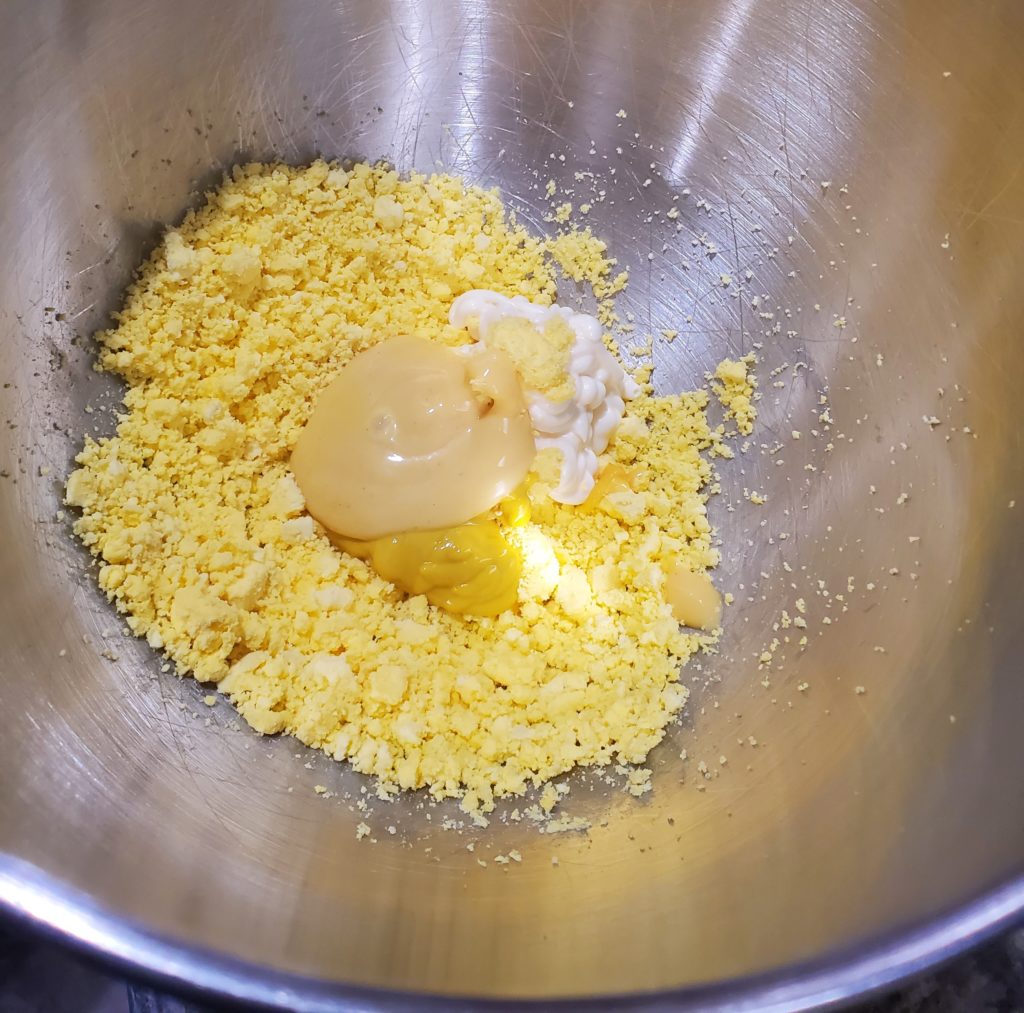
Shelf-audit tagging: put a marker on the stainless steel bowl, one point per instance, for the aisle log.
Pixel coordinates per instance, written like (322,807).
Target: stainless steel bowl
(864,163)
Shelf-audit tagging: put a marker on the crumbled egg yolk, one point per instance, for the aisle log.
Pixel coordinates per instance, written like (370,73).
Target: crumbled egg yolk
(541,356)
(239,319)
(734,384)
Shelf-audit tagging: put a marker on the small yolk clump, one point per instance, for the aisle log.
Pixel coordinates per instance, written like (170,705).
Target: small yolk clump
(541,354)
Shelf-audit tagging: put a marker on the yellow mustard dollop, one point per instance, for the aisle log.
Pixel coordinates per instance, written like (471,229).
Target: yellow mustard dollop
(469,569)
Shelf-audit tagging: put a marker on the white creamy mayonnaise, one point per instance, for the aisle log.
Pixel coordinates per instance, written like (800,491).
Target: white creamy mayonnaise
(581,427)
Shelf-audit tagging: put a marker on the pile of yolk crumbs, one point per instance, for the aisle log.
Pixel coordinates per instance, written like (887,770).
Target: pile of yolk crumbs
(582,257)
(541,357)
(734,384)
(235,323)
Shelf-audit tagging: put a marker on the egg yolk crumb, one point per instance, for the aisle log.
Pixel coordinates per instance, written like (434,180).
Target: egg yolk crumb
(541,356)
(239,318)
(734,384)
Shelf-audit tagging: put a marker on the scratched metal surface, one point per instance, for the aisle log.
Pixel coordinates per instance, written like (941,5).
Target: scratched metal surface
(855,170)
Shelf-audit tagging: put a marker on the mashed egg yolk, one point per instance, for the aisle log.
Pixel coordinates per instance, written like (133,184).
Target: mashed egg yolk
(227,338)
(404,452)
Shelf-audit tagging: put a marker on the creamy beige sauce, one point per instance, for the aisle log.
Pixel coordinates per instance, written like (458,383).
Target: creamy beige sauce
(694,600)
(413,436)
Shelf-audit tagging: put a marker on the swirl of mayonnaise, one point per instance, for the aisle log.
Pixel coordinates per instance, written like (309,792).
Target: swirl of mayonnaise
(581,427)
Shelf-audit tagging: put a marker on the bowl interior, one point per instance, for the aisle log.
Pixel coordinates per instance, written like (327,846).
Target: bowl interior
(854,170)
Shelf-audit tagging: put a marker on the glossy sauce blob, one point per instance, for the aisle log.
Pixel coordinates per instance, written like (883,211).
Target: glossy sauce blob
(412,436)
(612,478)
(694,600)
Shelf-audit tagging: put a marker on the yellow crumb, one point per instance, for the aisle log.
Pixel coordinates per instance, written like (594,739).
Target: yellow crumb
(734,383)
(240,317)
(562,213)
(541,357)
(638,781)
(565,824)
(582,256)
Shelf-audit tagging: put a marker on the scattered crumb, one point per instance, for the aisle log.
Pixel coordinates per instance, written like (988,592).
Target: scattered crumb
(733,383)
(565,824)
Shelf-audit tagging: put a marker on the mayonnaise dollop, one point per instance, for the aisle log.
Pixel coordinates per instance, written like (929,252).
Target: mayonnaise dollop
(581,427)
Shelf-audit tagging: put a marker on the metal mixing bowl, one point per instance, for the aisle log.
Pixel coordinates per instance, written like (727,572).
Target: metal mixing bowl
(864,163)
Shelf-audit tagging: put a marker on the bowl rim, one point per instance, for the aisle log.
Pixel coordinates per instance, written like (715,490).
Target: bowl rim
(42,904)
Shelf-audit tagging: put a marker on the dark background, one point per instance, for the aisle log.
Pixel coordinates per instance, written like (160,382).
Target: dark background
(39,977)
